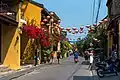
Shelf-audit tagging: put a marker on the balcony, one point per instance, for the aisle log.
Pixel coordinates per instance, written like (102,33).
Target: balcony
(7,14)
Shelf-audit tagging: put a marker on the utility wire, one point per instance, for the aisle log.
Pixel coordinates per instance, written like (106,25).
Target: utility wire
(93,11)
(99,4)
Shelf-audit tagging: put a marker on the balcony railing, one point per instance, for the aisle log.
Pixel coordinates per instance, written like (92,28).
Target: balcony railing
(7,11)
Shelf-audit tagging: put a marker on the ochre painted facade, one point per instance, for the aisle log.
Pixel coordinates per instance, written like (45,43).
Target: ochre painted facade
(10,44)
(10,47)
(32,12)
(11,38)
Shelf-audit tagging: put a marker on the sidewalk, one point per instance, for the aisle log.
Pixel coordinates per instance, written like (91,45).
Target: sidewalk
(24,70)
(83,74)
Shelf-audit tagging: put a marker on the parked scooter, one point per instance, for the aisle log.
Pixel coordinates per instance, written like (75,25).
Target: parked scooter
(106,67)
(117,63)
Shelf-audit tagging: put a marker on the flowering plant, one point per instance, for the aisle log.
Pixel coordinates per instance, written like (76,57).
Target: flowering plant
(41,34)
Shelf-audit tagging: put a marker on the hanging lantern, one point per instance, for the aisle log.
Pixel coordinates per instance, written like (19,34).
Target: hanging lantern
(76,31)
(62,28)
(59,21)
(48,17)
(73,32)
(54,23)
(81,28)
(51,13)
(80,31)
(88,26)
(42,23)
(94,24)
(48,24)
(101,22)
(74,28)
(45,30)
(45,20)
(68,29)
(52,20)
(105,20)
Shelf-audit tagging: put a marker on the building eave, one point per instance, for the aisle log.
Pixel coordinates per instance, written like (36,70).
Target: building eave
(108,2)
(36,3)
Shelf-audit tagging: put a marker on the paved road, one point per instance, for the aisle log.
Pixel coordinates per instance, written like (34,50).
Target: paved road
(67,70)
(64,71)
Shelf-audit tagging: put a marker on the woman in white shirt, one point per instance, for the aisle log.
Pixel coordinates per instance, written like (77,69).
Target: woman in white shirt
(91,59)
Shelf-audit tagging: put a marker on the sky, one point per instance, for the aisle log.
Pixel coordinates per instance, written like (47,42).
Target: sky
(74,13)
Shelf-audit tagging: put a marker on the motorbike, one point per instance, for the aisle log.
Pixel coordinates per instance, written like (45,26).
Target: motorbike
(76,60)
(106,67)
(117,63)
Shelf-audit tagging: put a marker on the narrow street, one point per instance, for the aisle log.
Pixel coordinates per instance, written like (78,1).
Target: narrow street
(65,71)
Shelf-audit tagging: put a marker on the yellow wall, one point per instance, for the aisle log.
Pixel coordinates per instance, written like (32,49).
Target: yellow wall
(32,12)
(10,47)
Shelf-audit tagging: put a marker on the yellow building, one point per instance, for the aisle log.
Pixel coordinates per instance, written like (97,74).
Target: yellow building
(13,42)
(15,46)
(31,17)
(9,37)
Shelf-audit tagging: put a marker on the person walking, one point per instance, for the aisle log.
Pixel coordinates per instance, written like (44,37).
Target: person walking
(76,54)
(58,57)
(52,56)
(91,59)
(35,57)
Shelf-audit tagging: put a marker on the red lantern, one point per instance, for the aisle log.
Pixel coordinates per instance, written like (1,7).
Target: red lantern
(48,17)
(80,31)
(45,30)
(81,28)
(76,31)
(74,28)
(42,23)
(68,29)
(51,13)
(45,20)
(105,20)
(88,26)
(73,32)
(52,20)
(48,24)
(62,28)
(94,25)
(54,23)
